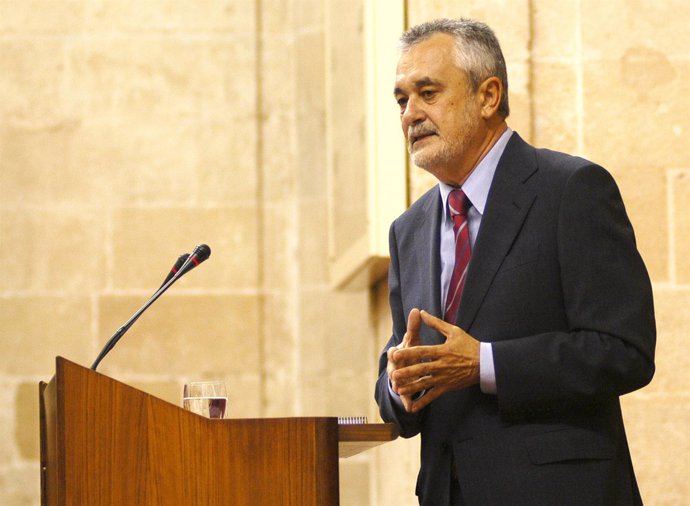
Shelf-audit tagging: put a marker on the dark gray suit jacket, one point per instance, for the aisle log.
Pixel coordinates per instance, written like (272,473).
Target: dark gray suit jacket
(557,285)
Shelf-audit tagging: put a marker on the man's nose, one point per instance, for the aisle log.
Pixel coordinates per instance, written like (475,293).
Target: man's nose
(414,113)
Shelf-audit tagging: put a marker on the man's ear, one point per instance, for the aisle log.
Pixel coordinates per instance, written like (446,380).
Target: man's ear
(490,92)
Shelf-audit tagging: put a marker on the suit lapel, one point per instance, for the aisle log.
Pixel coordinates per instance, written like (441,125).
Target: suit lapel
(427,244)
(508,204)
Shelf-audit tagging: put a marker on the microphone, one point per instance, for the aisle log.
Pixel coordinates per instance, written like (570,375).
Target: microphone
(187,263)
(200,254)
(180,261)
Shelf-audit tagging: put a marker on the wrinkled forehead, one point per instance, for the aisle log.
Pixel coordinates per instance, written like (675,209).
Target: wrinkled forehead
(431,60)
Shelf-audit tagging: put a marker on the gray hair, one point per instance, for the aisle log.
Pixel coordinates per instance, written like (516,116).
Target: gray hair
(477,51)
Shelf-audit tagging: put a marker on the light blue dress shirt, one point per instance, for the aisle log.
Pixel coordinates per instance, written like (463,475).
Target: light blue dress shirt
(476,188)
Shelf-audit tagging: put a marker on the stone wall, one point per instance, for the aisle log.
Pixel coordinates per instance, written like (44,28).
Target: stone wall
(131,131)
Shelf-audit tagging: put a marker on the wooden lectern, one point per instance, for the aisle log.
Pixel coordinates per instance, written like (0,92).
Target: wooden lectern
(104,442)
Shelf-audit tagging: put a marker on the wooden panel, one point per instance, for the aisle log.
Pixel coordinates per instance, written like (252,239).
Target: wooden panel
(354,439)
(117,445)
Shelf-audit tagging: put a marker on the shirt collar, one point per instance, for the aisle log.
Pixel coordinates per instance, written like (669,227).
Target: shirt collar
(477,185)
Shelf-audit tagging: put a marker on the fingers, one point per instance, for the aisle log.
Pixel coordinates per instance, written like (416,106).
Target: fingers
(436,323)
(430,396)
(416,354)
(414,321)
(414,324)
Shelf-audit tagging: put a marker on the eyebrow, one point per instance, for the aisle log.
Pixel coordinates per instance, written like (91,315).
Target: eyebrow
(419,83)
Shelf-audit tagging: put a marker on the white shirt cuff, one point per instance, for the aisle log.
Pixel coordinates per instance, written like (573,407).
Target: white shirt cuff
(487,374)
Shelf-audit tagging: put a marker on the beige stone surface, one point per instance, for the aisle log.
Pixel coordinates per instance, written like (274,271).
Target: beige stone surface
(612,28)
(673,321)
(555,30)
(649,219)
(165,233)
(58,250)
(555,105)
(20,485)
(354,482)
(657,430)
(680,181)
(37,328)
(189,334)
(634,113)
(26,424)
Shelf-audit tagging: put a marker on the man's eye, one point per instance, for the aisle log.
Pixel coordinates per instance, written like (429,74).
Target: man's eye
(402,102)
(428,94)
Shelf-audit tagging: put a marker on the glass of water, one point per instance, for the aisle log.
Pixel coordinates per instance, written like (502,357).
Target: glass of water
(205,398)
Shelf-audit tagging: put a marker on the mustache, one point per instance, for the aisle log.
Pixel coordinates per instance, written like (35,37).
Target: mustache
(419,130)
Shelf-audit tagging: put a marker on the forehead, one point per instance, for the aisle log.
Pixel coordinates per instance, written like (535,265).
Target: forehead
(432,59)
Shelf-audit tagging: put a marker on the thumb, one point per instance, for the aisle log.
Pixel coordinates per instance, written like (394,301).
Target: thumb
(414,324)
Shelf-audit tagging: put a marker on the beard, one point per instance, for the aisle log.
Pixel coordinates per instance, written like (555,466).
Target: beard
(443,151)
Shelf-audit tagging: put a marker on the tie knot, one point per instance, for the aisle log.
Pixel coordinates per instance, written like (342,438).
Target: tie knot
(458,203)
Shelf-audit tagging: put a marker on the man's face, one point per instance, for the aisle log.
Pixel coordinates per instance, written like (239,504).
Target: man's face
(440,115)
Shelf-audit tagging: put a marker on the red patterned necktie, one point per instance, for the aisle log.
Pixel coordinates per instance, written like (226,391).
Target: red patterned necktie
(458,203)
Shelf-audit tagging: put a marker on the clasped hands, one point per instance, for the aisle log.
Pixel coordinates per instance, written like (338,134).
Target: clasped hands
(435,370)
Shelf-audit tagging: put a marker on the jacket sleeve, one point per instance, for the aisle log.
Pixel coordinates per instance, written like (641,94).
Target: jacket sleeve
(409,424)
(608,348)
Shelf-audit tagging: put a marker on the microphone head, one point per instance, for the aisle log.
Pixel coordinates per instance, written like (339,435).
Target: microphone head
(201,252)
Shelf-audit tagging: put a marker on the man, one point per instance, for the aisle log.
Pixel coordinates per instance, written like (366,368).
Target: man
(529,257)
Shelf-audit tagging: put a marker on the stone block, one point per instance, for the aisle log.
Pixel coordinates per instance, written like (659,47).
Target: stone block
(636,114)
(52,250)
(398,461)
(135,80)
(244,396)
(350,394)
(554,98)
(354,482)
(278,107)
(32,77)
(26,425)
(673,330)
(313,243)
(163,163)
(35,329)
(170,16)
(311,114)
(20,485)
(315,391)
(612,28)
(660,446)
(223,162)
(279,256)
(8,450)
(278,158)
(280,358)
(308,14)
(277,17)
(37,17)
(680,181)
(41,166)
(192,335)
(520,99)
(148,241)
(281,400)
(314,344)
(554,31)
(644,192)
(348,332)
